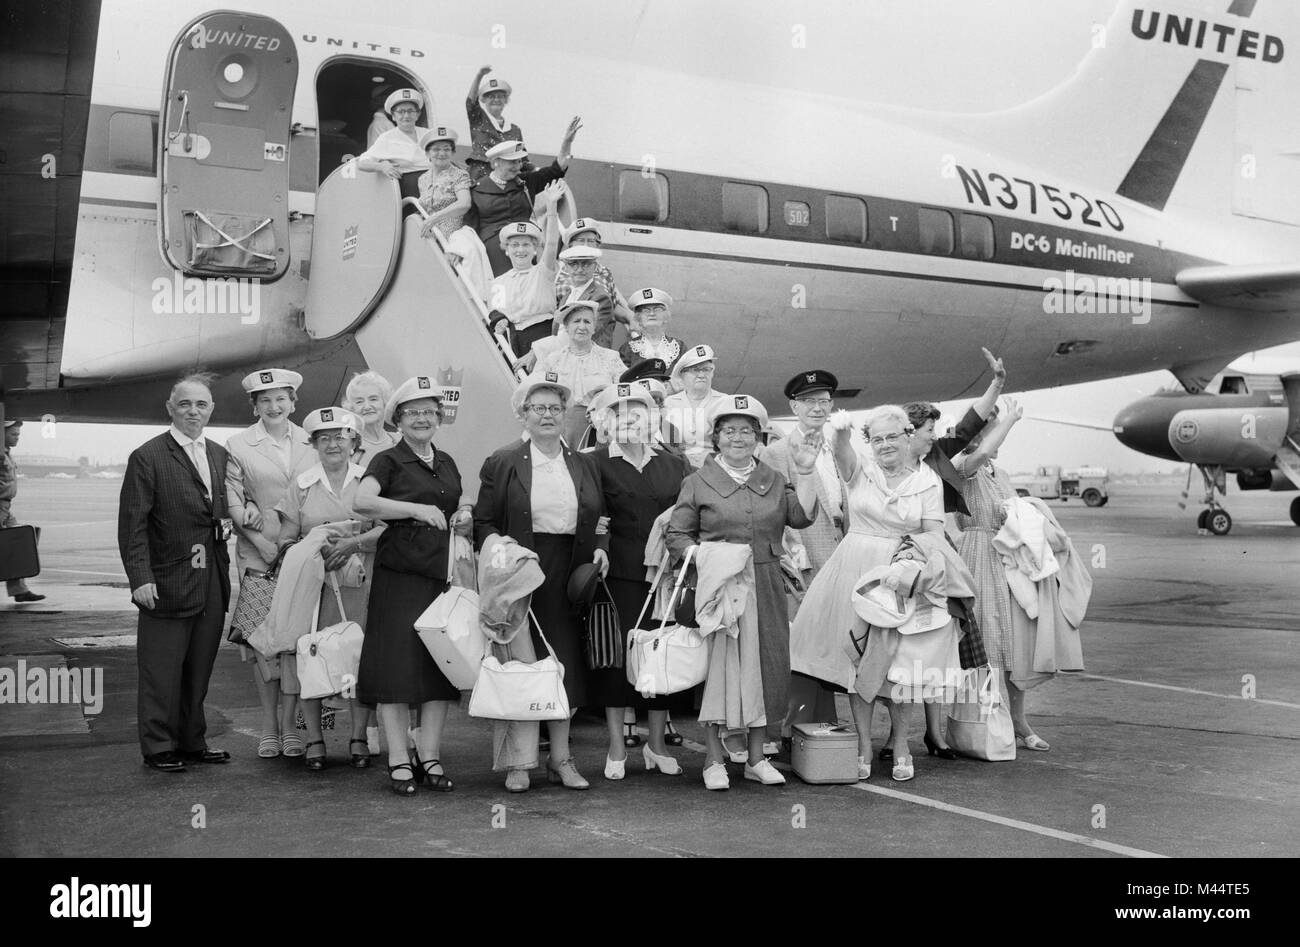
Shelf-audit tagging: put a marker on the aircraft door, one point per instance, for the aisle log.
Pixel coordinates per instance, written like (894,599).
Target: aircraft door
(223,146)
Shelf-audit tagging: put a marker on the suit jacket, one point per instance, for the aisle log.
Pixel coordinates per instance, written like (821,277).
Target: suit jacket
(504,503)
(255,474)
(164,514)
(492,206)
(821,538)
(940,460)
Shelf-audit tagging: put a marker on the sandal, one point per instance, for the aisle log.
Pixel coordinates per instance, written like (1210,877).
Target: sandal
(315,763)
(438,782)
(293,745)
(403,787)
(268,748)
(671,736)
(360,760)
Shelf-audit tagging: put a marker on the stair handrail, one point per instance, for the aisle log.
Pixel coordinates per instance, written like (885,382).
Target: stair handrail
(502,346)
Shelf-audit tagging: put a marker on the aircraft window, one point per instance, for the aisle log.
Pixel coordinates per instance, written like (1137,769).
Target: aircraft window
(131,141)
(936,230)
(797,214)
(1233,385)
(846,219)
(976,237)
(643,196)
(744,207)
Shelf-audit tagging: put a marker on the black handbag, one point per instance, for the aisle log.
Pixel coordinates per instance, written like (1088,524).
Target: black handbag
(605,643)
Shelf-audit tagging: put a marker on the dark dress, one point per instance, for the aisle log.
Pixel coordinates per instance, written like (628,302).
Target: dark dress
(633,500)
(493,206)
(504,507)
(395,666)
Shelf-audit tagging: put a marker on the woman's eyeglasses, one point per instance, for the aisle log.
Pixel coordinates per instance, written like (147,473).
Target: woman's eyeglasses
(333,438)
(416,414)
(542,410)
(881,440)
(738,433)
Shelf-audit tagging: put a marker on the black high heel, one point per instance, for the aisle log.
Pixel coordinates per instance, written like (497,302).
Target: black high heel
(671,736)
(943,752)
(403,787)
(360,760)
(886,754)
(438,782)
(631,739)
(315,763)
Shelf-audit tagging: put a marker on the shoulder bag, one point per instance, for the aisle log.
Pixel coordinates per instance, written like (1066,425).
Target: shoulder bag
(671,658)
(605,642)
(256,589)
(450,631)
(329,658)
(516,690)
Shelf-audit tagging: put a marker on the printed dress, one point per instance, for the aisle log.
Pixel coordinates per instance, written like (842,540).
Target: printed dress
(984,491)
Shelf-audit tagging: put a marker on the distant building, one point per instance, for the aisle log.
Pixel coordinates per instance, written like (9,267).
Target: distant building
(42,465)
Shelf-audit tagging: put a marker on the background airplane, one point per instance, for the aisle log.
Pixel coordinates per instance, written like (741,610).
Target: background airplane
(937,233)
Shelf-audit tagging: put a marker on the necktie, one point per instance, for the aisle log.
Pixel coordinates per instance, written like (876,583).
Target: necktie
(200,462)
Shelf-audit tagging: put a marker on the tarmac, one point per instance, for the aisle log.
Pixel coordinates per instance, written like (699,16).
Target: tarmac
(1179,739)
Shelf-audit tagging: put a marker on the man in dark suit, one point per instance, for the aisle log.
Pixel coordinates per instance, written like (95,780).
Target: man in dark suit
(172,529)
(938,452)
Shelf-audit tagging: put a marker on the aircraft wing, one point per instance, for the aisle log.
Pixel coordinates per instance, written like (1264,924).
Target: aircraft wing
(1262,287)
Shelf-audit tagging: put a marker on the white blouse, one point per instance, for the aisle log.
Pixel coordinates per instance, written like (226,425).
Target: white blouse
(583,374)
(554,499)
(396,146)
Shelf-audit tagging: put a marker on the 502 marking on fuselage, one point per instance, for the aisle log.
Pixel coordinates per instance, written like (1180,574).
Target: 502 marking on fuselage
(974,184)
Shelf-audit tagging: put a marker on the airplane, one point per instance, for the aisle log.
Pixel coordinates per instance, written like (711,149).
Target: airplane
(178,193)
(1247,423)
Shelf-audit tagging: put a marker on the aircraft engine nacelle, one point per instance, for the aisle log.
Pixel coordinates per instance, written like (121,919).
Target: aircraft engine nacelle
(1236,439)
(1254,479)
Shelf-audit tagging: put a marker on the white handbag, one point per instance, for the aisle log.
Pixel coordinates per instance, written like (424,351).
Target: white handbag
(982,728)
(449,629)
(329,658)
(515,690)
(671,658)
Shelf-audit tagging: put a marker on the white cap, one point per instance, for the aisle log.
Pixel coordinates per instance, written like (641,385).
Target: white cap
(403,95)
(581,225)
(525,388)
(329,419)
(510,150)
(650,297)
(580,253)
(493,84)
(690,358)
(413,389)
(744,405)
(520,228)
(265,379)
(438,133)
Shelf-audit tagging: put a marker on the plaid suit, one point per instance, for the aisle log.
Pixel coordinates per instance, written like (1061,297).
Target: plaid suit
(167,534)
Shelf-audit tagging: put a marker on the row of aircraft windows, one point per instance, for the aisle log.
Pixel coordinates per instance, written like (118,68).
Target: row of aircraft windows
(644,196)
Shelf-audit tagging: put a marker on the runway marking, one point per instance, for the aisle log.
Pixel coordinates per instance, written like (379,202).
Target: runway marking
(1058,834)
(1187,690)
(115,575)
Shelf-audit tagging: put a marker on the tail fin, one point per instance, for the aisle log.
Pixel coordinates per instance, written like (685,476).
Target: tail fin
(1171,90)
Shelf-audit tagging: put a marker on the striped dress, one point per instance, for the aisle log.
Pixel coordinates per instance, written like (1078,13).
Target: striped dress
(984,492)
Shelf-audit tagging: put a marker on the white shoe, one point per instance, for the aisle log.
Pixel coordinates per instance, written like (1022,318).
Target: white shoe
(771,749)
(615,769)
(903,769)
(667,765)
(715,776)
(765,773)
(864,768)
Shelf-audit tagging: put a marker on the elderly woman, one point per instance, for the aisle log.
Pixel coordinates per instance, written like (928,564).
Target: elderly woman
(585,232)
(508,194)
(581,262)
(734,498)
(324,494)
(17,588)
(488,128)
(582,366)
(521,296)
(416,489)
(651,313)
(889,496)
(548,498)
(398,153)
(265,460)
(444,188)
(640,481)
(367,396)
(986,488)
(688,411)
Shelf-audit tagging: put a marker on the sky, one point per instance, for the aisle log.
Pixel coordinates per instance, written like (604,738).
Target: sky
(852,48)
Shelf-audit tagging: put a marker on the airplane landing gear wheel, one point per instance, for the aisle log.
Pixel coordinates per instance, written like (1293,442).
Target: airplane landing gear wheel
(1295,511)
(1219,522)
(1201,517)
